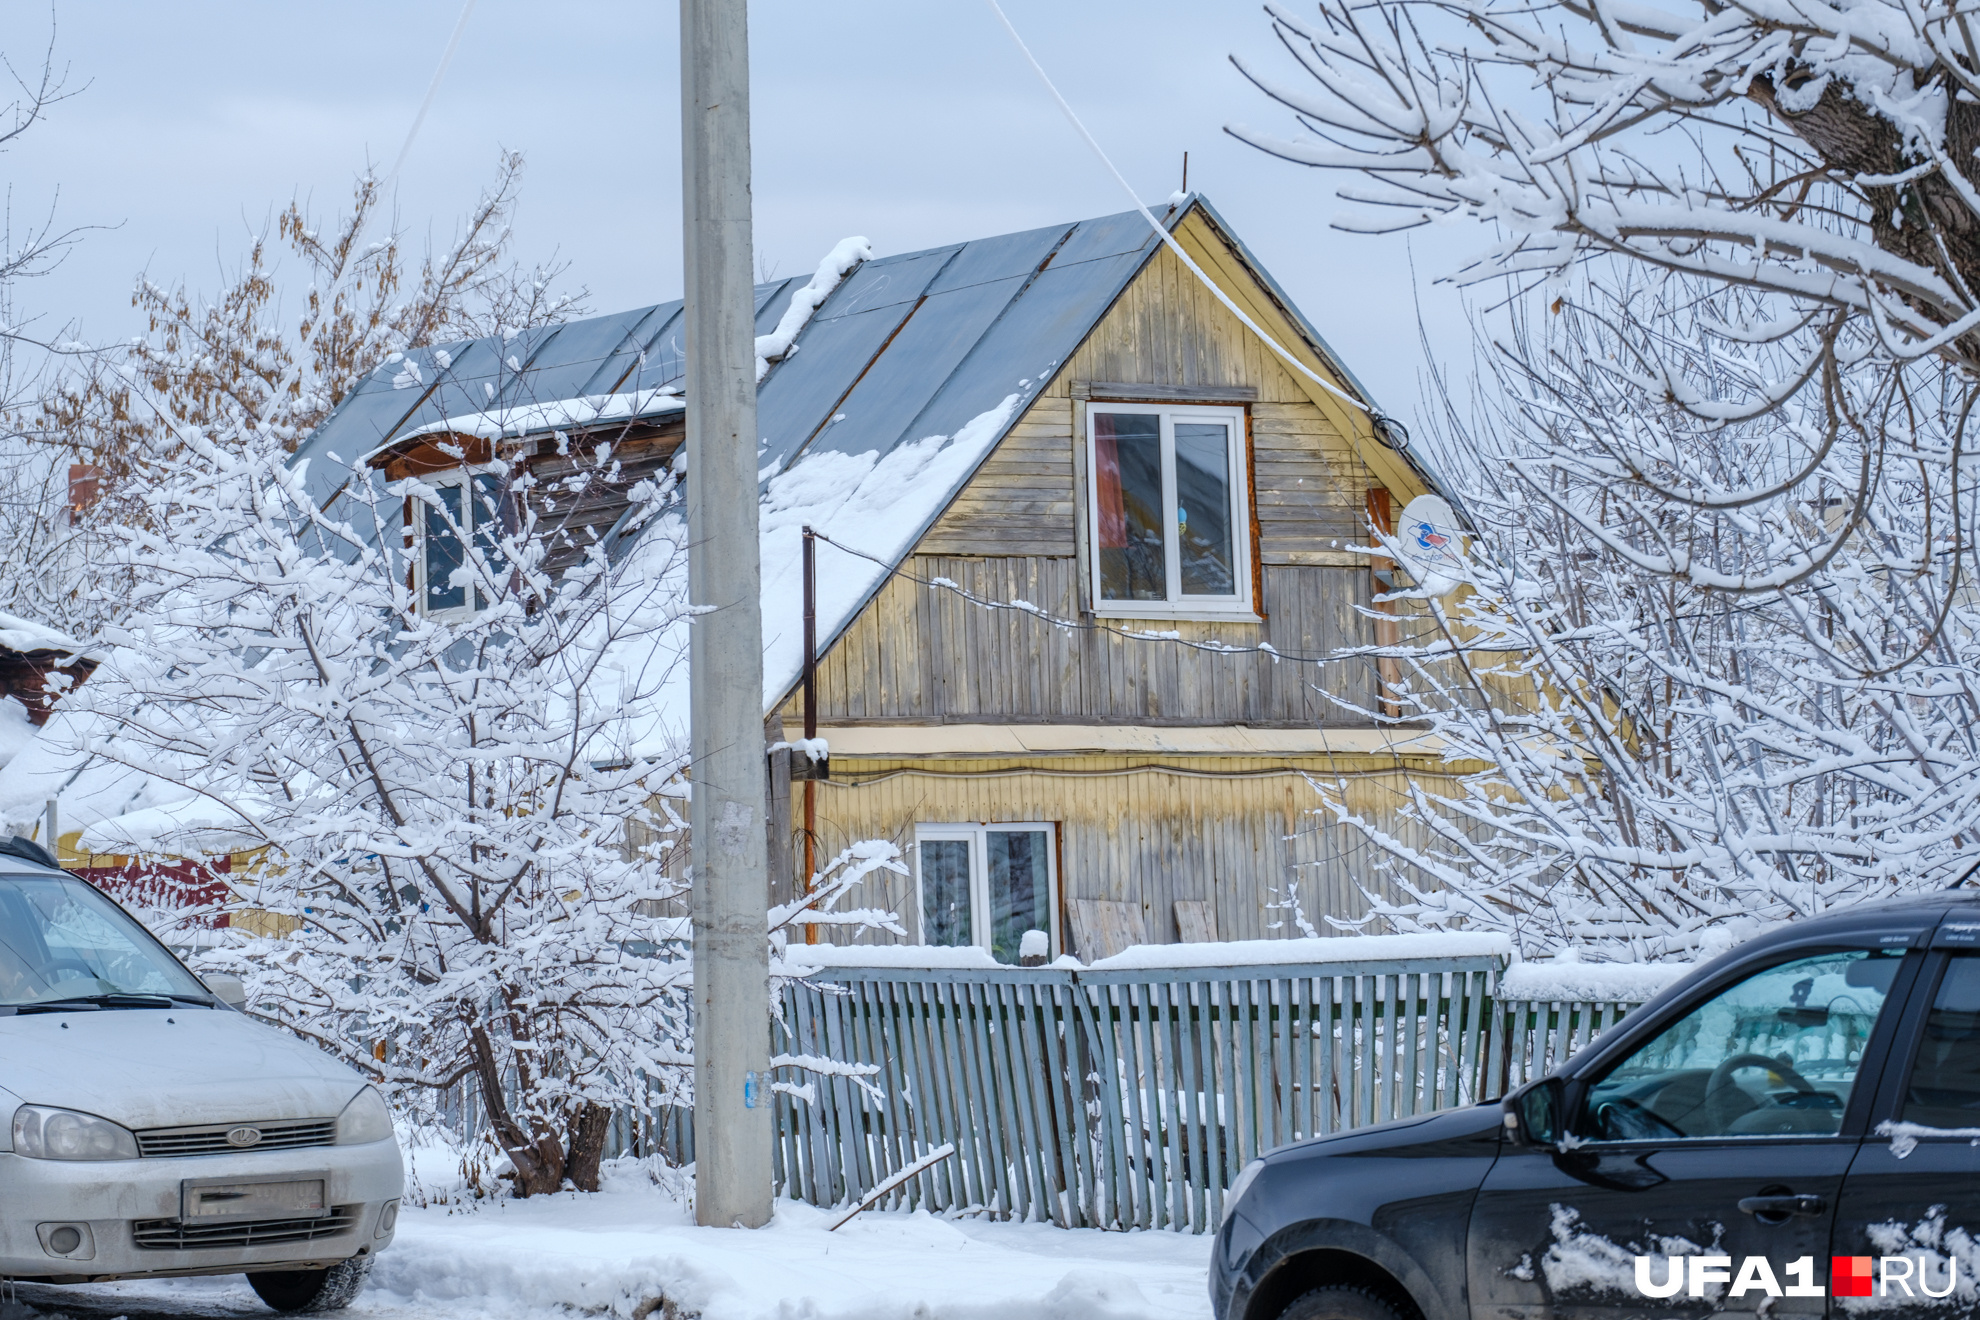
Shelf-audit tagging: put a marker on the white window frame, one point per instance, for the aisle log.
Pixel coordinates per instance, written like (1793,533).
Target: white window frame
(1177,605)
(462,479)
(979,874)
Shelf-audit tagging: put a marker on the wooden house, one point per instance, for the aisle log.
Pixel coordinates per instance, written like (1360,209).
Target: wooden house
(1091,555)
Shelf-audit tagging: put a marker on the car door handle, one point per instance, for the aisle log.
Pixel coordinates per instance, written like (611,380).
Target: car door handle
(1784,1206)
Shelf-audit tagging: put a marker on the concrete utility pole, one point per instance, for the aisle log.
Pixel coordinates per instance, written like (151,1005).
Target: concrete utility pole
(732,1110)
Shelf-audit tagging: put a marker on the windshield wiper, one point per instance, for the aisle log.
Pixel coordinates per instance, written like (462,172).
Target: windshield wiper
(119,999)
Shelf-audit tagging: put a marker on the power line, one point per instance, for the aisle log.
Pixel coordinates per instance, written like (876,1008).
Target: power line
(1080,625)
(1169,239)
(432,88)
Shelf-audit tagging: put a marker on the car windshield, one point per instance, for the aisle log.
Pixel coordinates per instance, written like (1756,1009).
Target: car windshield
(62,940)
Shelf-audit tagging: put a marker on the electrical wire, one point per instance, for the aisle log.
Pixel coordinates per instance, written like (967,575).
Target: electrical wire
(432,88)
(1078,625)
(1169,239)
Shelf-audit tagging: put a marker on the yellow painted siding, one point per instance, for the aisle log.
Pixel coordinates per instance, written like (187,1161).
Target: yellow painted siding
(1233,832)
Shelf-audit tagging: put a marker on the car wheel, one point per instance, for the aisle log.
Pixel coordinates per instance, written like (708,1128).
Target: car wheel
(312,1290)
(1340,1302)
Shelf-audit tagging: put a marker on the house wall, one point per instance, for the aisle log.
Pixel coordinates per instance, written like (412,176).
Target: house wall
(1015,532)
(1237,832)
(1232,831)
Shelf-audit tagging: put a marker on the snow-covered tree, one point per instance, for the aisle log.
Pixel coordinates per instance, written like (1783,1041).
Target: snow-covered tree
(1717,660)
(244,364)
(463,871)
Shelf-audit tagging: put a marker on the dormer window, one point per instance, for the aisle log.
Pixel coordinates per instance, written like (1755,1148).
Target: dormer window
(471,504)
(1168,511)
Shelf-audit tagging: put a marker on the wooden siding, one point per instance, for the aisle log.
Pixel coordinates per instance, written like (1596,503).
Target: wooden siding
(1233,832)
(1021,500)
(922,654)
(1166,331)
(1239,835)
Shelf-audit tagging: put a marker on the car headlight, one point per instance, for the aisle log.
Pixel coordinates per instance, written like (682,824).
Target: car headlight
(41,1133)
(1246,1176)
(365,1118)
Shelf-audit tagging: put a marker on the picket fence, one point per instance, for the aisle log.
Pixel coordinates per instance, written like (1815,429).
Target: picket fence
(1132,1098)
(1119,1098)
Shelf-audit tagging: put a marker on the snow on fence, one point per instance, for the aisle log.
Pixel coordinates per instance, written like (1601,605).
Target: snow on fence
(1124,1096)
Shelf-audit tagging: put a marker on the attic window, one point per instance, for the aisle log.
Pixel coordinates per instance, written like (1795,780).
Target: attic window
(470,503)
(1169,514)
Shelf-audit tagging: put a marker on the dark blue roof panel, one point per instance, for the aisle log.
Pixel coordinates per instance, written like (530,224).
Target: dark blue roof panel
(906,347)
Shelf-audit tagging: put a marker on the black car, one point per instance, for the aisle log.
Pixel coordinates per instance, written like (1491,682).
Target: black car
(1791,1130)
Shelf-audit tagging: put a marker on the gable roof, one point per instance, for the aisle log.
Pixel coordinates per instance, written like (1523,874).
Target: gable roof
(895,390)
(904,347)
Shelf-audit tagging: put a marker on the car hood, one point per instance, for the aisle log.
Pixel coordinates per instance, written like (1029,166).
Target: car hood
(150,1068)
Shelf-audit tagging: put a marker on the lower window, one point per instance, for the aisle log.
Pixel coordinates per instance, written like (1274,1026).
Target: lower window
(987,885)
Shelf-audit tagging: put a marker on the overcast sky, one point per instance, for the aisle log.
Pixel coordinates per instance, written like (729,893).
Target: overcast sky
(913,122)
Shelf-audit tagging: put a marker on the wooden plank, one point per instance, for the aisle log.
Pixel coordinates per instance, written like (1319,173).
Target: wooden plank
(1105,928)
(1196,921)
(1167,1104)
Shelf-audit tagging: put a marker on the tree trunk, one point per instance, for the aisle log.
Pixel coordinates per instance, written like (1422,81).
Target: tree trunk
(538,1160)
(586,1148)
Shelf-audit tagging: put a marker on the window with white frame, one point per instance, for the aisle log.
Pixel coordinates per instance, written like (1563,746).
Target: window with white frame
(1171,527)
(468,503)
(986,885)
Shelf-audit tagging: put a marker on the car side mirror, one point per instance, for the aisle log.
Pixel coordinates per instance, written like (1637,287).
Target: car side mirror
(227,989)
(1533,1113)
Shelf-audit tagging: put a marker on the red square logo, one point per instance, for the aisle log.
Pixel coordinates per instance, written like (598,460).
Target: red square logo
(1849,1276)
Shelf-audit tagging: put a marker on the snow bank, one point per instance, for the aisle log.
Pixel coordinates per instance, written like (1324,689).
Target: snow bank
(632,1243)
(1590,982)
(1326,949)
(612,1253)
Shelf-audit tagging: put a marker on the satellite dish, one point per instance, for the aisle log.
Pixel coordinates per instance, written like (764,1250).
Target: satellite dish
(1432,546)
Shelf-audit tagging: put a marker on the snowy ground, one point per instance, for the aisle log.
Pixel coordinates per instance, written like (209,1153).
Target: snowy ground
(634,1242)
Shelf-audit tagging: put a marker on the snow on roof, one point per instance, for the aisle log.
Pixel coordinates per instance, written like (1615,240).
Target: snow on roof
(71,761)
(189,827)
(18,634)
(558,414)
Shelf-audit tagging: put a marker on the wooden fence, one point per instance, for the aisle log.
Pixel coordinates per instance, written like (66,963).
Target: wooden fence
(1118,1098)
(1123,1098)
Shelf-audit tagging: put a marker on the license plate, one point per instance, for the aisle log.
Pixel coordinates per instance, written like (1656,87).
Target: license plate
(300,1198)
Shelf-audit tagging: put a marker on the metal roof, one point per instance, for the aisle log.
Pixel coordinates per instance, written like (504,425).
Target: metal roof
(906,346)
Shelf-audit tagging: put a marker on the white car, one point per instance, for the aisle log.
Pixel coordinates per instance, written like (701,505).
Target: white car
(149,1128)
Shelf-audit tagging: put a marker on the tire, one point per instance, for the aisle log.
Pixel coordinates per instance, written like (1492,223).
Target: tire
(1341,1302)
(312,1291)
